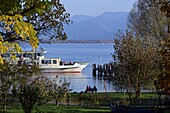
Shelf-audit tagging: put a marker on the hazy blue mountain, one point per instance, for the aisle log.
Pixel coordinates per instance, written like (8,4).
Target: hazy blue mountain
(101,27)
(79,18)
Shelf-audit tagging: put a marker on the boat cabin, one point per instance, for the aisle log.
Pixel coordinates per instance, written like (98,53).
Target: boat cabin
(26,56)
(49,62)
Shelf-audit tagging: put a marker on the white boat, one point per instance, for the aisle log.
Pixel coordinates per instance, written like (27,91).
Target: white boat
(50,65)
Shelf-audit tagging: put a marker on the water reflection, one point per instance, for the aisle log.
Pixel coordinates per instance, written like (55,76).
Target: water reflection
(63,75)
(79,81)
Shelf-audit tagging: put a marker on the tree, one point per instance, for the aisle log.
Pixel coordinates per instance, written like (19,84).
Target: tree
(164,6)
(151,18)
(135,59)
(163,81)
(25,84)
(158,13)
(8,74)
(27,20)
(146,19)
(31,89)
(61,92)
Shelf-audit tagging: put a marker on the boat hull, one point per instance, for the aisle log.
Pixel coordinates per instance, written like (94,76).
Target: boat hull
(77,68)
(56,70)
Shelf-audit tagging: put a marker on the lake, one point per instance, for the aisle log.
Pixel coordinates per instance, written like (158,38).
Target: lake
(92,53)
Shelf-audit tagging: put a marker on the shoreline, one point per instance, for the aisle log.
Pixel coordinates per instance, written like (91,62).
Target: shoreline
(78,41)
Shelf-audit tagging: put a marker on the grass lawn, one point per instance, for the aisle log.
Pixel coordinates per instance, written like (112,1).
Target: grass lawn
(118,95)
(91,103)
(59,109)
(145,98)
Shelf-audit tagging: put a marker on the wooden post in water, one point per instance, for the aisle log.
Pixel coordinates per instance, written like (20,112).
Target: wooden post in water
(104,69)
(99,70)
(106,73)
(94,69)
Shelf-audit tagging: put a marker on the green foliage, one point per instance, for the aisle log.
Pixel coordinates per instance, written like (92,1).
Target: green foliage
(61,92)
(26,20)
(28,87)
(8,74)
(33,89)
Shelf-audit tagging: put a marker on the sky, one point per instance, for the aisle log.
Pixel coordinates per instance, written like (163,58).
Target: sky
(96,7)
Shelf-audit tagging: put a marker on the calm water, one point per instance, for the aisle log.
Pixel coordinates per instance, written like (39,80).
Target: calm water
(92,53)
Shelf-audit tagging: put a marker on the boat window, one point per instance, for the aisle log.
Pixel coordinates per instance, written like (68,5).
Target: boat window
(40,54)
(27,55)
(24,55)
(46,61)
(54,61)
(18,55)
(6,55)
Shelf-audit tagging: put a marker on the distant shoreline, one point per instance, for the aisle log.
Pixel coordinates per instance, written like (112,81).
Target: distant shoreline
(78,41)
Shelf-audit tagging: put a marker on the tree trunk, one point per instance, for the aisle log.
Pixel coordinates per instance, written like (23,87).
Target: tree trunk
(4,106)
(27,109)
(130,97)
(137,93)
(4,101)
(56,102)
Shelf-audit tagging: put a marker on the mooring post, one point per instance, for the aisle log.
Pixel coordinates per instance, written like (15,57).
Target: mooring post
(100,70)
(94,69)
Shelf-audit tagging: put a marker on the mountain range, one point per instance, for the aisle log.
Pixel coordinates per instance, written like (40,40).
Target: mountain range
(100,27)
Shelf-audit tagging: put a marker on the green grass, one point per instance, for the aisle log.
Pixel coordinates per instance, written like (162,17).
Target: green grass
(74,109)
(117,95)
(100,98)
(91,103)
(59,109)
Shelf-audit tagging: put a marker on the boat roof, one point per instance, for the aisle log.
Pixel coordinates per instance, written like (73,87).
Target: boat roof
(28,52)
(51,58)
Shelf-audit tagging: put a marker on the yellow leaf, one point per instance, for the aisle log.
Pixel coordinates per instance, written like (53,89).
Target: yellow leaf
(1,60)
